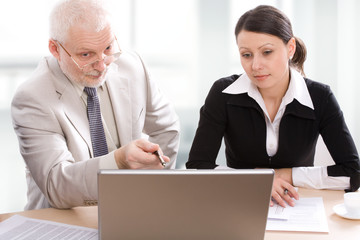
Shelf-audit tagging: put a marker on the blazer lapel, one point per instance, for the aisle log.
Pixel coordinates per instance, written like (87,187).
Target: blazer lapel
(76,113)
(243,100)
(118,87)
(73,106)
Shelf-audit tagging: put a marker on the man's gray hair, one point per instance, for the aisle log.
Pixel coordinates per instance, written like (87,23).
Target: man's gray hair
(90,14)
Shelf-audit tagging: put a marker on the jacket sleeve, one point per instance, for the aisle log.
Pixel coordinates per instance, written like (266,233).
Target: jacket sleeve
(339,142)
(64,181)
(161,121)
(210,131)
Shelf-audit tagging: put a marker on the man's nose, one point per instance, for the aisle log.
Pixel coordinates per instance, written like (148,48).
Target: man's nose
(100,64)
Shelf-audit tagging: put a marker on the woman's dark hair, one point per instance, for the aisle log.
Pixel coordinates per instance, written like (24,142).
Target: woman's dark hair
(270,20)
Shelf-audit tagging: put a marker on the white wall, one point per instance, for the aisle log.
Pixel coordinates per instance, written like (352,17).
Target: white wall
(188,44)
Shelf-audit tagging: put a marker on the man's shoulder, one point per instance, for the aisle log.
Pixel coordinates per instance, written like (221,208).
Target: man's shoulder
(41,73)
(38,83)
(128,57)
(129,66)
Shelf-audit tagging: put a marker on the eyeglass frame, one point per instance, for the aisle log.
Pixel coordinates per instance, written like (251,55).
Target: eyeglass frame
(89,64)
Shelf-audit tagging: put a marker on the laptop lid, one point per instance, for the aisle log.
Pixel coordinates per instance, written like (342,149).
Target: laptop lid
(183,204)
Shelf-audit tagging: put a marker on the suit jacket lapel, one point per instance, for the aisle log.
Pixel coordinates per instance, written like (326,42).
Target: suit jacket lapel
(76,113)
(118,87)
(73,106)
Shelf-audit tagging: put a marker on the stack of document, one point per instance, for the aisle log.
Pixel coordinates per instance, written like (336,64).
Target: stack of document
(22,228)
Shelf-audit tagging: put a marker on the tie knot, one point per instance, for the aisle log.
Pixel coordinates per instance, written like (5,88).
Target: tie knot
(90,91)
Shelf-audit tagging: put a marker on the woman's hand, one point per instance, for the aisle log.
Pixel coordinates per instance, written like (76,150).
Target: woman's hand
(283,191)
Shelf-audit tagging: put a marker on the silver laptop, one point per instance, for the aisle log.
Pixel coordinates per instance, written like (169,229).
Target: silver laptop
(183,204)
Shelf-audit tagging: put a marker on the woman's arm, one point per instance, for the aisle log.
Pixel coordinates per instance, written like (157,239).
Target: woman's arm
(345,173)
(210,131)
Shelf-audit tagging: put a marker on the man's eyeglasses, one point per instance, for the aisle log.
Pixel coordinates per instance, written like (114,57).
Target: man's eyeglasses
(87,65)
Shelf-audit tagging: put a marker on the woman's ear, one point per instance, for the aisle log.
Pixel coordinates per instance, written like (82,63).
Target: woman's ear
(291,45)
(54,49)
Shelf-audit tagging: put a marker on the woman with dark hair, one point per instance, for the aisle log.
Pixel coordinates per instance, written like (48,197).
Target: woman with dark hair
(271,115)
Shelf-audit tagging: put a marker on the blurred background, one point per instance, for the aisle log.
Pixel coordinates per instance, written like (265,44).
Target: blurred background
(187,45)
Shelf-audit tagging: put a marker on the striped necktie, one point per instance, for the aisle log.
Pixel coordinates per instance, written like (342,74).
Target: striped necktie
(96,127)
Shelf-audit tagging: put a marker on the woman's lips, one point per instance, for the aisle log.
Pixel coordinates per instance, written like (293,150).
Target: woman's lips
(261,77)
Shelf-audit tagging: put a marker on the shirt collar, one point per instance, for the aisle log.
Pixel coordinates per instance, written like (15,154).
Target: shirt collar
(80,88)
(297,89)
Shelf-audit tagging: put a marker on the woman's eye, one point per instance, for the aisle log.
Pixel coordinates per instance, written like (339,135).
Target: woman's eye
(267,52)
(246,55)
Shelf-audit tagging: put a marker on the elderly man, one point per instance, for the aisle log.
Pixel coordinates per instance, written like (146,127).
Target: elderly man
(87,107)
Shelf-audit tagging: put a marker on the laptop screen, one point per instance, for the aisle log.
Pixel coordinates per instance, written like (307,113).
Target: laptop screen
(183,204)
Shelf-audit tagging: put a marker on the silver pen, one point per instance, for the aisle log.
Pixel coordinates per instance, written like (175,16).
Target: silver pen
(160,158)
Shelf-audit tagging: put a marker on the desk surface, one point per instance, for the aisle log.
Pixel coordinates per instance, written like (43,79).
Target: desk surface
(339,228)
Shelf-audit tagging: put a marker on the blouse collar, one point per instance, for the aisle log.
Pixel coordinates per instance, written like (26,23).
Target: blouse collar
(297,89)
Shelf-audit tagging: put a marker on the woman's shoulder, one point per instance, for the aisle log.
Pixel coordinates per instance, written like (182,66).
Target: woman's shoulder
(320,94)
(224,82)
(315,86)
(216,91)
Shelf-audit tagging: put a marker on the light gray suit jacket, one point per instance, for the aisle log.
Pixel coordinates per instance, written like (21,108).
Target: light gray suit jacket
(52,127)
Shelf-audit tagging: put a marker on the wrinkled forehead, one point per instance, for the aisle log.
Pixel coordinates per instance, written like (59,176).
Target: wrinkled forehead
(89,26)
(80,37)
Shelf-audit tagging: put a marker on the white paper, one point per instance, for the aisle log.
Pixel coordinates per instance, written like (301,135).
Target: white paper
(307,215)
(278,212)
(20,228)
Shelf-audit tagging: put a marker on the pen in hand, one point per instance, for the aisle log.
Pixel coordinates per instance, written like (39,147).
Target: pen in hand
(160,158)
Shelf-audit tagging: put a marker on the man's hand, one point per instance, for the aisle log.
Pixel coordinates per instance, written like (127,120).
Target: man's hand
(138,154)
(283,190)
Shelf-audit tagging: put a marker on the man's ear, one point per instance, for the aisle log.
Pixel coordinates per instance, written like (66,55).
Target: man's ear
(54,49)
